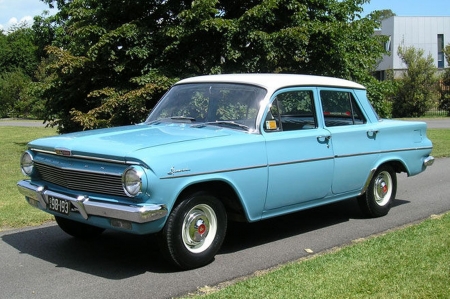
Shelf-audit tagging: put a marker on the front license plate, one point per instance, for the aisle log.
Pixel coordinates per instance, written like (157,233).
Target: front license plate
(58,205)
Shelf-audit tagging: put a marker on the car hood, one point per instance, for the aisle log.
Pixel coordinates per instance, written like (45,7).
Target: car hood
(121,142)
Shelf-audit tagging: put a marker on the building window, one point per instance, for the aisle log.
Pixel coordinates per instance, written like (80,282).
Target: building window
(387,46)
(440,42)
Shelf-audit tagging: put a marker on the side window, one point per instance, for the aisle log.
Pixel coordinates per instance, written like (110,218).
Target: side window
(340,108)
(293,110)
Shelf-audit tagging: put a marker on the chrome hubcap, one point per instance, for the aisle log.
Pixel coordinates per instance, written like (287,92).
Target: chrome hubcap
(383,188)
(199,228)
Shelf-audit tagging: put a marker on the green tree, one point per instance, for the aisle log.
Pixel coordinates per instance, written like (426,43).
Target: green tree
(18,51)
(13,90)
(111,60)
(444,101)
(383,14)
(106,73)
(417,88)
(18,62)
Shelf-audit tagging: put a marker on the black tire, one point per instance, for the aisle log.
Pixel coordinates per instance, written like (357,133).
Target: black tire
(378,198)
(78,229)
(194,231)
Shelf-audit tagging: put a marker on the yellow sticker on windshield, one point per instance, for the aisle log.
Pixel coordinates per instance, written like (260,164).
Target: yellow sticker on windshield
(271,124)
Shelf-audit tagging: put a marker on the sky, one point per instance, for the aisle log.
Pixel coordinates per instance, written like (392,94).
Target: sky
(411,8)
(16,11)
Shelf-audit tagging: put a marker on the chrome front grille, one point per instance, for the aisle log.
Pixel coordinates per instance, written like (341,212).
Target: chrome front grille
(81,181)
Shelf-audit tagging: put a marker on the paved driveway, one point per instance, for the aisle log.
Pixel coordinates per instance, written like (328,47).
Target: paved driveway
(8,122)
(438,123)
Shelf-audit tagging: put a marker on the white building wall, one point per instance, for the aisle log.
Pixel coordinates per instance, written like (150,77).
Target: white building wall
(417,32)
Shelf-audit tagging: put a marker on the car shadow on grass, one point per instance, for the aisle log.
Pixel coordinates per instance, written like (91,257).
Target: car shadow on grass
(116,255)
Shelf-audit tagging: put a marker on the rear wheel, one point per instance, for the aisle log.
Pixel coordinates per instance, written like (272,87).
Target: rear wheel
(194,231)
(78,229)
(378,198)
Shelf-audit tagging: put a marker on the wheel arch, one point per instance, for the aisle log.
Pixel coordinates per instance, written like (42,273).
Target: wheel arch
(397,165)
(223,191)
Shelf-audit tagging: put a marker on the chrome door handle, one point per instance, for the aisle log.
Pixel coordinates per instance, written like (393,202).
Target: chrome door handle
(372,134)
(324,139)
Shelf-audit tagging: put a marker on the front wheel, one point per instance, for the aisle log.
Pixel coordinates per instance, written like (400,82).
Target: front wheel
(78,229)
(378,198)
(194,231)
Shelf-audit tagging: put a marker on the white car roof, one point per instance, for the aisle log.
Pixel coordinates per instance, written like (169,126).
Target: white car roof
(274,81)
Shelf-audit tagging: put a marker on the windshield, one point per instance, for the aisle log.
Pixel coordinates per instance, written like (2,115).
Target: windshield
(222,104)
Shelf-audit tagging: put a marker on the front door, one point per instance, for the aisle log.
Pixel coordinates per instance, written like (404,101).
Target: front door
(300,154)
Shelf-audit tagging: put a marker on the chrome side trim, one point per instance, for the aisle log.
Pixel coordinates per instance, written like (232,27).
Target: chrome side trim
(301,161)
(384,152)
(296,162)
(366,185)
(176,176)
(86,207)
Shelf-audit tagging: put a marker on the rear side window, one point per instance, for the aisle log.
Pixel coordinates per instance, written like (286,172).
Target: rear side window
(340,108)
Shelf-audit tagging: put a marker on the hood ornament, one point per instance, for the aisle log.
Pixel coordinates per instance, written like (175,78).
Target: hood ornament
(63,152)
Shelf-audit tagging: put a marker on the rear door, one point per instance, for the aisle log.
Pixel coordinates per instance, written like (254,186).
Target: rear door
(353,138)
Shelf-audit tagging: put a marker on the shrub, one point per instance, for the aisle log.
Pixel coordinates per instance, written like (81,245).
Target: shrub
(417,87)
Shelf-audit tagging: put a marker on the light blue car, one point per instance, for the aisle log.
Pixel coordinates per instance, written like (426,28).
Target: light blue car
(221,148)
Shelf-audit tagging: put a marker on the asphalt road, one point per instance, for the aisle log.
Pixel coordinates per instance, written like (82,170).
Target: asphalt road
(9,122)
(438,123)
(43,262)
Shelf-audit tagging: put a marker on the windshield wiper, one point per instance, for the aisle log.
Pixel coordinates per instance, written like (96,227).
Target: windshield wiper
(173,118)
(227,123)
(182,118)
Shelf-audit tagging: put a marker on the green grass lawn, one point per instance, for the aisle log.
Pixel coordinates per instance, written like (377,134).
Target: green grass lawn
(441,142)
(14,210)
(412,262)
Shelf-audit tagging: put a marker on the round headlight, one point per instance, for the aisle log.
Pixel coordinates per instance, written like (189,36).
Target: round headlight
(26,163)
(132,181)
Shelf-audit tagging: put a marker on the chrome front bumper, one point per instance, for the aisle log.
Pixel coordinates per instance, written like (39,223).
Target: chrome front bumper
(134,213)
